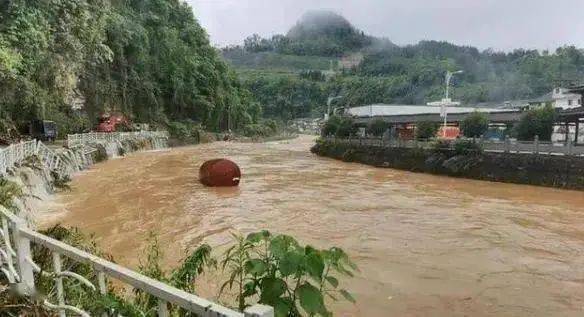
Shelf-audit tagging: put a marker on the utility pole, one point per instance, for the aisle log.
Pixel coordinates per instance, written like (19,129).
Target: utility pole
(446,102)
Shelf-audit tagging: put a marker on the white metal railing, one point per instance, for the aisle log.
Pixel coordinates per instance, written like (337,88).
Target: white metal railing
(61,163)
(103,137)
(18,153)
(506,146)
(19,269)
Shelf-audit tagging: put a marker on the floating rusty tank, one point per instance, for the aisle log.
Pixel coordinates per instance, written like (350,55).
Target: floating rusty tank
(219,173)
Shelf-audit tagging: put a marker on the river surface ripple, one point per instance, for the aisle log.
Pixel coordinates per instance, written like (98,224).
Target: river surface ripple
(425,245)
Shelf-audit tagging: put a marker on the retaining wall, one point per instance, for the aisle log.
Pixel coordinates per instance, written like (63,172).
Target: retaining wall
(542,170)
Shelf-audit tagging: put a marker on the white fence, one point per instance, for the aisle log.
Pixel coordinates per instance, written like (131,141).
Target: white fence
(507,146)
(17,266)
(17,153)
(103,137)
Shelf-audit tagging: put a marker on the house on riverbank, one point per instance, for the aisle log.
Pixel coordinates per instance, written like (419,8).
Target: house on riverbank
(567,102)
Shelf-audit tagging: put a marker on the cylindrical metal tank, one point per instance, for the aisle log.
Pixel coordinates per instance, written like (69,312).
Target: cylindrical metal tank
(219,173)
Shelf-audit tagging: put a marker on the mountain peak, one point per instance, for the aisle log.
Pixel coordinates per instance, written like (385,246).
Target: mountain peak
(321,22)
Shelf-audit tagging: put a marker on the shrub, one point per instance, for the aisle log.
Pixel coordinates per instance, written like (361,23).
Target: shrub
(475,125)
(442,145)
(346,128)
(426,130)
(537,122)
(257,130)
(331,126)
(179,130)
(8,191)
(377,127)
(465,147)
(279,272)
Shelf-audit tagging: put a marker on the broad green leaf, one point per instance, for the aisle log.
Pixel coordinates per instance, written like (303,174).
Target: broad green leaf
(257,236)
(249,289)
(333,281)
(282,306)
(314,265)
(290,263)
(310,299)
(255,267)
(281,244)
(347,296)
(271,289)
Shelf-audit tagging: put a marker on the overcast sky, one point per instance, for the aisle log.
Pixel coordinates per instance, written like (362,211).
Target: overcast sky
(498,24)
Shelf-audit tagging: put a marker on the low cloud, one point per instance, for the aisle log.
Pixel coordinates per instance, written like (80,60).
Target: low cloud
(498,24)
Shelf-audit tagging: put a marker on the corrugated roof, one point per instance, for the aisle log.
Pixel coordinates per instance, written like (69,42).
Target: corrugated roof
(397,110)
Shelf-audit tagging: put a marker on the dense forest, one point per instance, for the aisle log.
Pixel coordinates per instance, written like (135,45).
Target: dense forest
(387,73)
(149,59)
(72,60)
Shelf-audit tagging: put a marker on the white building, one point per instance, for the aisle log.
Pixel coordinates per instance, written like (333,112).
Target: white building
(559,98)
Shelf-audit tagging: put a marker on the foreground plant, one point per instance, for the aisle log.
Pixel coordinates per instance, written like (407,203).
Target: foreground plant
(277,271)
(184,277)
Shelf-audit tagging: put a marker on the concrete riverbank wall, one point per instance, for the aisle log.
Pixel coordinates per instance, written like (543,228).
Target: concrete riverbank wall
(541,170)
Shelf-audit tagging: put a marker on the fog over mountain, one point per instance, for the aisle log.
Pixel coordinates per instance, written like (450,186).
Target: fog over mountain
(499,24)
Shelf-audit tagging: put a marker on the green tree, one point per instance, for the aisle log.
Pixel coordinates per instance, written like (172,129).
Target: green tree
(331,126)
(150,60)
(537,122)
(346,128)
(426,130)
(377,127)
(475,125)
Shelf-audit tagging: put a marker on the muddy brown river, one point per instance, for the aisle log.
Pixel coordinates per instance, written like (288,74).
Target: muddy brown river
(425,245)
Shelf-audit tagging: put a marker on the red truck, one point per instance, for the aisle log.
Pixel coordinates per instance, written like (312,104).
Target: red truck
(112,123)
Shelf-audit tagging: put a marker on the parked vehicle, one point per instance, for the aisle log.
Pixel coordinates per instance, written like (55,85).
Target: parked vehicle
(43,130)
(113,123)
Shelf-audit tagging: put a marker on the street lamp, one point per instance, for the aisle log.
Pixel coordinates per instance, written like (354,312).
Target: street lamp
(449,75)
(328,106)
(444,103)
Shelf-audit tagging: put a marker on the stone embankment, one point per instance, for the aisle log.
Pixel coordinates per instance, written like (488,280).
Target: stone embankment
(532,169)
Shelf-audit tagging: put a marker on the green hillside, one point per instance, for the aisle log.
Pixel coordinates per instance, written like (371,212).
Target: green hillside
(412,74)
(149,59)
(241,58)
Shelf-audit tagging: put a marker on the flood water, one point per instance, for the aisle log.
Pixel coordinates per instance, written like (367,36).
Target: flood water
(425,245)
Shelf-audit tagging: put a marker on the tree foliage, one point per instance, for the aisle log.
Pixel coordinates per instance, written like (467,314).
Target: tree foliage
(377,127)
(317,33)
(475,125)
(148,59)
(536,122)
(331,126)
(286,97)
(411,74)
(426,130)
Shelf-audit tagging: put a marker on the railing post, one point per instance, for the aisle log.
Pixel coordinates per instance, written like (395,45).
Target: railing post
(507,144)
(23,256)
(259,311)
(59,283)
(536,144)
(570,147)
(162,308)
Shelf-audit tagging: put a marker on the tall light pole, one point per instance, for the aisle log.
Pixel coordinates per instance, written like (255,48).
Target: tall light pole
(449,75)
(446,102)
(328,106)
